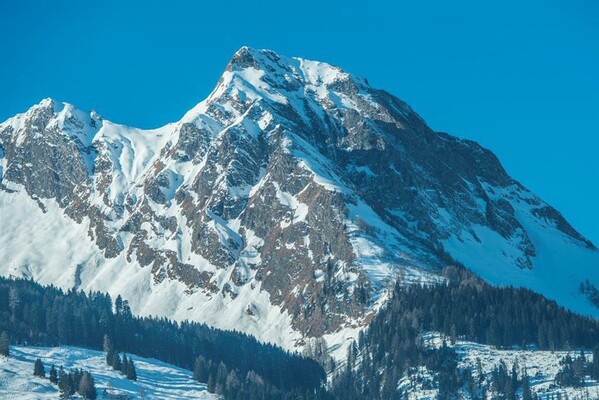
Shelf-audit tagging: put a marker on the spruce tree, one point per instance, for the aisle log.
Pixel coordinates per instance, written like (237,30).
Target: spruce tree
(116,364)
(200,369)
(108,347)
(511,384)
(211,384)
(64,384)
(197,369)
(4,344)
(526,391)
(38,369)
(74,381)
(118,305)
(87,387)
(453,335)
(53,375)
(125,365)
(131,372)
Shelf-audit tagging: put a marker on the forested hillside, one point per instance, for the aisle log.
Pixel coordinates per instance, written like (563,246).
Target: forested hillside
(47,316)
(464,307)
(391,352)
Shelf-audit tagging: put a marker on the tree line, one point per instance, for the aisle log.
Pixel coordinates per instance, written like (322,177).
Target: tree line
(463,307)
(239,367)
(47,316)
(468,307)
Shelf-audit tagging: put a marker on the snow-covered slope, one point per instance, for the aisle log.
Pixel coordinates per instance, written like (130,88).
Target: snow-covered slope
(282,205)
(158,380)
(559,265)
(541,366)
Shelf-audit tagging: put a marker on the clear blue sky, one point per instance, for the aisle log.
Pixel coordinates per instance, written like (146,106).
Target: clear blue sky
(520,77)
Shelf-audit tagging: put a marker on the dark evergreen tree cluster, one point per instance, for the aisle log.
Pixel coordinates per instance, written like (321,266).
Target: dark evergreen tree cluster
(462,307)
(124,365)
(502,384)
(572,371)
(505,383)
(76,381)
(69,383)
(500,316)
(527,393)
(391,348)
(232,384)
(47,316)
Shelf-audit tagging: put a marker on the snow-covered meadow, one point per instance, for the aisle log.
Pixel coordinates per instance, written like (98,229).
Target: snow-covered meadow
(156,380)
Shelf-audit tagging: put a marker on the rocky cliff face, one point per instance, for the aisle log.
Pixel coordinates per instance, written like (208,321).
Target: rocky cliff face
(282,205)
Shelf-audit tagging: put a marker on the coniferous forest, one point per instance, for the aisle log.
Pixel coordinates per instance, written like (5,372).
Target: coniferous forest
(238,367)
(46,316)
(464,307)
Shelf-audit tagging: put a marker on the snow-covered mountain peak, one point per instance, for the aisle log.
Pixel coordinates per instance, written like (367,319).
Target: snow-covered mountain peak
(278,66)
(50,117)
(47,102)
(59,109)
(267,75)
(288,200)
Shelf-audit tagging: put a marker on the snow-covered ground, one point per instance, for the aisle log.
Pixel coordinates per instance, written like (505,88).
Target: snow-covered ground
(158,380)
(559,264)
(541,366)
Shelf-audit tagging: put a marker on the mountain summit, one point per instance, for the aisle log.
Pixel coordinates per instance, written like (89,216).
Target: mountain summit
(284,205)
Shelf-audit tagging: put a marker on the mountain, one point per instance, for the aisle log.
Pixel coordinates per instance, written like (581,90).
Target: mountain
(283,205)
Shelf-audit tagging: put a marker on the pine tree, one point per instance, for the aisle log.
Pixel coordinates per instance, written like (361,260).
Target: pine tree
(200,369)
(511,384)
(126,309)
(117,364)
(453,335)
(53,375)
(4,344)
(232,383)
(87,387)
(13,300)
(64,384)
(526,391)
(211,384)
(131,371)
(75,379)
(125,365)
(118,305)
(108,347)
(567,375)
(38,369)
